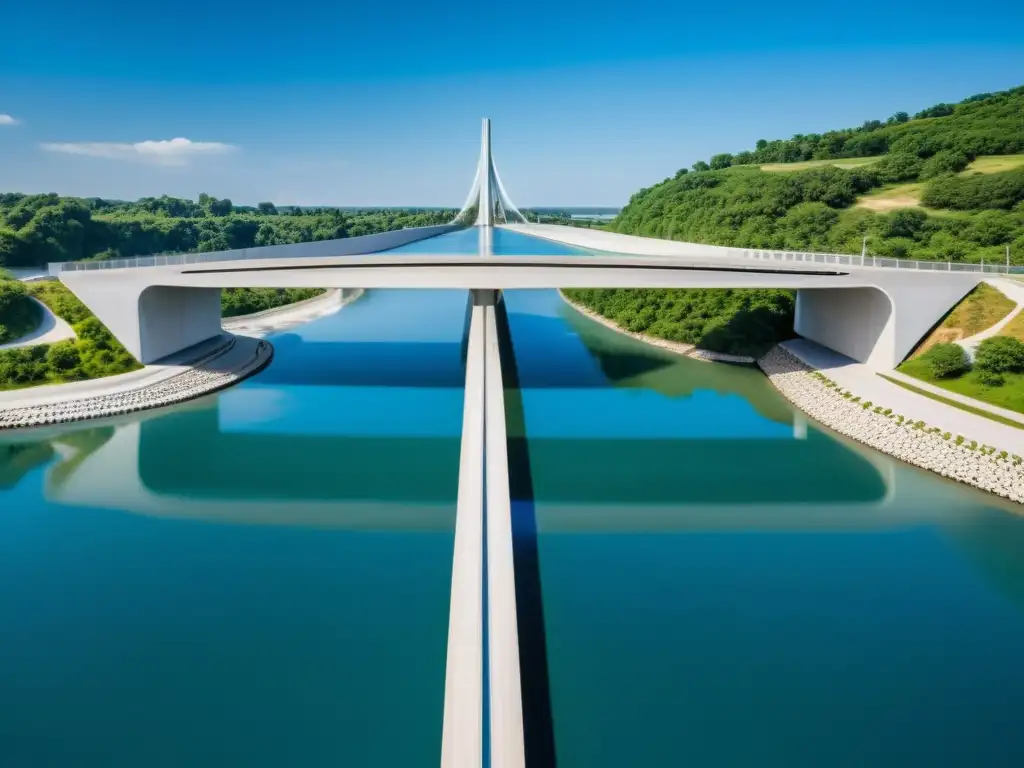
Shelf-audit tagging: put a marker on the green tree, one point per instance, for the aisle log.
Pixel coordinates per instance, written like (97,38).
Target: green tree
(1000,354)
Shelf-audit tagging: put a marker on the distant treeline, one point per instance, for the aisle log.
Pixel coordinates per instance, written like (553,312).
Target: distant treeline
(36,229)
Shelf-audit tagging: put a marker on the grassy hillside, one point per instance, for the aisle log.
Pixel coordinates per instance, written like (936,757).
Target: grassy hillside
(947,185)
(93,354)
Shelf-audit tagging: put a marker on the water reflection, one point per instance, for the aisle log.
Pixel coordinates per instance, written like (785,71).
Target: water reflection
(702,580)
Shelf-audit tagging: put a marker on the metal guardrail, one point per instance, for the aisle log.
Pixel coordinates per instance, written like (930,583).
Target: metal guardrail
(242,254)
(876,262)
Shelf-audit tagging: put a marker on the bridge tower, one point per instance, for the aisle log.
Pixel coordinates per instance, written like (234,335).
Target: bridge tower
(488,198)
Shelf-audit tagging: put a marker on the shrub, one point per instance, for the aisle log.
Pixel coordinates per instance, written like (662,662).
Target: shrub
(946,361)
(1000,354)
(990,378)
(63,356)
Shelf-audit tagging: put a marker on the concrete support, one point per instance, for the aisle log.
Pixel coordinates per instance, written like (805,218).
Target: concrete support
(508,748)
(462,734)
(172,319)
(485,214)
(858,322)
(484,297)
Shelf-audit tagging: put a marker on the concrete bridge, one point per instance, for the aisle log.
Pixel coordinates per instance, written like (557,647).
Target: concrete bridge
(158,306)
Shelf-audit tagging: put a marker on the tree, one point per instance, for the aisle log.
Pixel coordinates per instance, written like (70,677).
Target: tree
(267,209)
(898,119)
(946,360)
(700,165)
(220,207)
(718,162)
(1000,354)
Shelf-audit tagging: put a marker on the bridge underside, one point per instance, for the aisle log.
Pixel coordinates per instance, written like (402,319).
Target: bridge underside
(873,316)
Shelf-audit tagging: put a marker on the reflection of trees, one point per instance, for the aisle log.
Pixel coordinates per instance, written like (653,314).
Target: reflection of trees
(993,540)
(18,459)
(629,363)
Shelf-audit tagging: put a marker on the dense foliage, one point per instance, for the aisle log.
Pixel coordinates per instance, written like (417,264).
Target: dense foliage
(18,313)
(1000,354)
(36,229)
(946,360)
(245,301)
(93,354)
(740,322)
(814,209)
(984,124)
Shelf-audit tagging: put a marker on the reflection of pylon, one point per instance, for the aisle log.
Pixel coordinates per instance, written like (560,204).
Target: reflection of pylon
(488,195)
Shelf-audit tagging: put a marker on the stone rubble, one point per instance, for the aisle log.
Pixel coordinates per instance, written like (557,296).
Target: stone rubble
(951,456)
(200,379)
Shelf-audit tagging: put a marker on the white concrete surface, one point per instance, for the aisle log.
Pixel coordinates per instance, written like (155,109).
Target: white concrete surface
(1013,290)
(462,730)
(869,386)
(122,299)
(508,748)
(51,329)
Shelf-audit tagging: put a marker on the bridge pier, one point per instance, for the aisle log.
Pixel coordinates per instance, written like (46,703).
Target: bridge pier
(484,297)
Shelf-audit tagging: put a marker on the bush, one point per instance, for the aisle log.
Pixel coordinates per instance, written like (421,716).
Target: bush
(63,356)
(990,379)
(946,361)
(1000,354)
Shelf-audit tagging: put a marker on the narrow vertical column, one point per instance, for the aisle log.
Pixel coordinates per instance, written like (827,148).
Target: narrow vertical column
(485,215)
(462,733)
(508,748)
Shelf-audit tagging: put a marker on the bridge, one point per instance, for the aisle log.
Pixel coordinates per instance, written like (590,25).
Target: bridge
(157,306)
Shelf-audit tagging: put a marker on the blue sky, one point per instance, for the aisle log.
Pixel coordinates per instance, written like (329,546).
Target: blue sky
(379,103)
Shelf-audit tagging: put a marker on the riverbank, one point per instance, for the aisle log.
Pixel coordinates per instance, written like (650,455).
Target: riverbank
(260,324)
(689,350)
(235,355)
(879,427)
(222,362)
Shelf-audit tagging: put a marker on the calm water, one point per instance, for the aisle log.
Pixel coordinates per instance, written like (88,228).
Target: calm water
(261,578)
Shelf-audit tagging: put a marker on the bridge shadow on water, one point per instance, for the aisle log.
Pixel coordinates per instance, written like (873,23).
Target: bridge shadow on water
(538,722)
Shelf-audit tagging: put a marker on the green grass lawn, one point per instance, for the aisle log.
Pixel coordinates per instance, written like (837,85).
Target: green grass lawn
(845,162)
(994,164)
(1009,396)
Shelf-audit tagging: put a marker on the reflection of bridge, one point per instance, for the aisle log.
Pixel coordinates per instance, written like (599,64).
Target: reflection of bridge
(161,306)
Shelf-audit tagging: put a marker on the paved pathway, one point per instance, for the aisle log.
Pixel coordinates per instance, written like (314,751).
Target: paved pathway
(866,384)
(51,330)
(1012,289)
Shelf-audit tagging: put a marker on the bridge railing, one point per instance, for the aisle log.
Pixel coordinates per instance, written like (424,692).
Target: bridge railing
(877,262)
(810,257)
(158,260)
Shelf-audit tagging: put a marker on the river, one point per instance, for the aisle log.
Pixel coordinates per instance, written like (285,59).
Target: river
(261,577)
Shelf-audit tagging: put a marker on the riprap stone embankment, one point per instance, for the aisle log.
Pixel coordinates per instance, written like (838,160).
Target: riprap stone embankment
(952,456)
(228,363)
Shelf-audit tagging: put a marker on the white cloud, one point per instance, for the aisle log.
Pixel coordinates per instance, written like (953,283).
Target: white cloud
(173,152)
(7,120)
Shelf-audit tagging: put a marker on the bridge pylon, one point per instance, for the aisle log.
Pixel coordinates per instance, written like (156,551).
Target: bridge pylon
(488,203)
